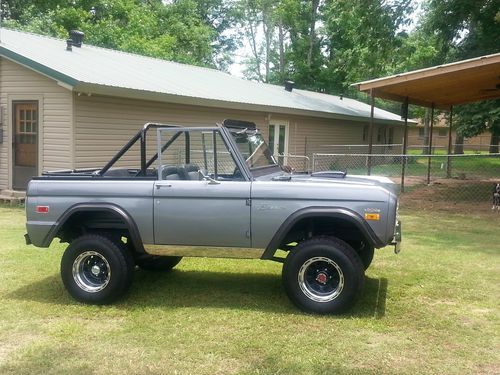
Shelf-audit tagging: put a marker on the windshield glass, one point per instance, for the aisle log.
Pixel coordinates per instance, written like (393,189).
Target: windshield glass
(254,149)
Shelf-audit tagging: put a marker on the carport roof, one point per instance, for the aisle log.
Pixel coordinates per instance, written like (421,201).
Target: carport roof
(94,70)
(444,85)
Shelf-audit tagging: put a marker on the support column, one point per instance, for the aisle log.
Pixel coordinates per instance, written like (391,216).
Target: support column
(370,132)
(448,163)
(405,144)
(429,150)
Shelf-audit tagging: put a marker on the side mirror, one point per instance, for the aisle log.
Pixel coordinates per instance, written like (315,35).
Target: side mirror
(210,180)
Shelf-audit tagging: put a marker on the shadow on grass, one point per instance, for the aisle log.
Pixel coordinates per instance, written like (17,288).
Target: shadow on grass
(200,289)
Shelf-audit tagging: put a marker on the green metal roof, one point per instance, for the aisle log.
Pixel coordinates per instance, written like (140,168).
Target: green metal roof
(97,70)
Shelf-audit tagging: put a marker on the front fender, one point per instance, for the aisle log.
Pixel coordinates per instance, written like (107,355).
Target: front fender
(309,212)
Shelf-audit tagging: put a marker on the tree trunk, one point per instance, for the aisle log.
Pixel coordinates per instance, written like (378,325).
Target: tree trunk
(267,34)
(495,138)
(253,46)
(459,144)
(312,32)
(281,38)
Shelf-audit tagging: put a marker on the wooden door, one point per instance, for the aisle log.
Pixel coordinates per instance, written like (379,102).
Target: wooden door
(25,143)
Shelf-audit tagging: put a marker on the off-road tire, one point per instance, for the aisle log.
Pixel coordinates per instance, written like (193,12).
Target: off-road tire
(323,275)
(96,269)
(157,263)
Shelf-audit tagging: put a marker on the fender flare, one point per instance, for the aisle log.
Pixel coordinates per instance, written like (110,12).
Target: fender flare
(135,235)
(333,212)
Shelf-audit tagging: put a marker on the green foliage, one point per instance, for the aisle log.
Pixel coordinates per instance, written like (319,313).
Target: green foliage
(473,119)
(464,29)
(187,31)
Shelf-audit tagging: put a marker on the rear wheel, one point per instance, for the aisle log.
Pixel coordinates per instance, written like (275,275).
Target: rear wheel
(323,275)
(157,263)
(95,269)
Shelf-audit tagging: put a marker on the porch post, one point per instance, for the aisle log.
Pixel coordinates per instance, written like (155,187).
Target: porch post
(405,141)
(370,132)
(448,164)
(429,150)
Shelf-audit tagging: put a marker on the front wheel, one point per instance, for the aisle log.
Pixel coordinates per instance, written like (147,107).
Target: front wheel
(323,275)
(96,270)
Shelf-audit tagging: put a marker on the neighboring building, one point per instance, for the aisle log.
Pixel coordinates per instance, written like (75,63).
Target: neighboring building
(417,137)
(75,107)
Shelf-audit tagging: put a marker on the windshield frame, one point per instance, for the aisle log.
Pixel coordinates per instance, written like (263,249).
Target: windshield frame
(251,172)
(261,170)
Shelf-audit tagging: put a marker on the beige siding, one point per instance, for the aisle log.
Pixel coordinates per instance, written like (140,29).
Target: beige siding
(55,108)
(311,135)
(105,124)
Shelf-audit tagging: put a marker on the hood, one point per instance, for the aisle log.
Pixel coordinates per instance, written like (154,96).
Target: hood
(334,177)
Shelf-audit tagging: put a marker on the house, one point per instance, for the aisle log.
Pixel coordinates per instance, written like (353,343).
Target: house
(65,104)
(417,137)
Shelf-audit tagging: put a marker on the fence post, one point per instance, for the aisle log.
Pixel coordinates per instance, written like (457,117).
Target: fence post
(405,140)
(448,164)
(430,146)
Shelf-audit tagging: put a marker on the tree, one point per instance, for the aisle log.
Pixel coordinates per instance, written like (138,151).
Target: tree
(464,29)
(476,118)
(188,31)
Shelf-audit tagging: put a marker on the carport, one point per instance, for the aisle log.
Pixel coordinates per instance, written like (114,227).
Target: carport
(437,87)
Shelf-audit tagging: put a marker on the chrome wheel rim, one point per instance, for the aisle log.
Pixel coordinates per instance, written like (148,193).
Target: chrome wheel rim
(321,279)
(91,271)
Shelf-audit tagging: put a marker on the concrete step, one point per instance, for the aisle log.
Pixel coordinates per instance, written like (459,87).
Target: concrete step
(13,193)
(11,200)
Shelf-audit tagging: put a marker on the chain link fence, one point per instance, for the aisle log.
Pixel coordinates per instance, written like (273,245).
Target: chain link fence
(466,178)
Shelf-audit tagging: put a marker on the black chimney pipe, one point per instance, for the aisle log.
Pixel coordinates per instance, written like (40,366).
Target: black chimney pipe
(289,85)
(69,44)
(77,37)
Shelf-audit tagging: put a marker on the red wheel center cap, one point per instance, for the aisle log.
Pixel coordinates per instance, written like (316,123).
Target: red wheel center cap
(321,278)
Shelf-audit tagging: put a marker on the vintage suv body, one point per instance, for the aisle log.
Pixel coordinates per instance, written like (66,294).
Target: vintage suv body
(212,192)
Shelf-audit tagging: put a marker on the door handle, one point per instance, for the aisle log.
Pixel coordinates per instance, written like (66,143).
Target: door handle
(163,184)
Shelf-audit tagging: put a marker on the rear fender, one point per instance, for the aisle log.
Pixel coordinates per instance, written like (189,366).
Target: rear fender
(130,224)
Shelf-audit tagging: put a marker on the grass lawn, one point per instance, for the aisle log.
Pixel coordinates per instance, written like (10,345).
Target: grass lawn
(433,309)
(470,166)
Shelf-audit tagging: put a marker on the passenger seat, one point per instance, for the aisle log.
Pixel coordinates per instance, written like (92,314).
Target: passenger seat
(170,173)
(190,172)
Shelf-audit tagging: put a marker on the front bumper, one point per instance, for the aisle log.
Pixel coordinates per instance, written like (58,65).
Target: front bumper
(398,237)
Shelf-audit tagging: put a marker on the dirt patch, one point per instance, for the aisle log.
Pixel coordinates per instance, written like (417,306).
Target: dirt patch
(449,195)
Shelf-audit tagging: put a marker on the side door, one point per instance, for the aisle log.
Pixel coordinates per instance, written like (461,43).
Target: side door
(210,208)
(278,141)
(25,143)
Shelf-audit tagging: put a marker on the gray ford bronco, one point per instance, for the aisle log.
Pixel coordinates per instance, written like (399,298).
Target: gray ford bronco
(174,192)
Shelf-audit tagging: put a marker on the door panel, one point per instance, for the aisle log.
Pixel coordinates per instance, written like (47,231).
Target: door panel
(200,198)
(25,143)
(198,213)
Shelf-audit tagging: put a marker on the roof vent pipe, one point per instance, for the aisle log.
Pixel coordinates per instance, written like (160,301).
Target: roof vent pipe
(69,43)
(77,37)
(289,85)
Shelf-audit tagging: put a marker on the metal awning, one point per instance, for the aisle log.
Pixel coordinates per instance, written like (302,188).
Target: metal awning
(444,85)
(441,87)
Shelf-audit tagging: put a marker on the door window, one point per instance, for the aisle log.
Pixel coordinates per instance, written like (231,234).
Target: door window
(25,134)
(191,151)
